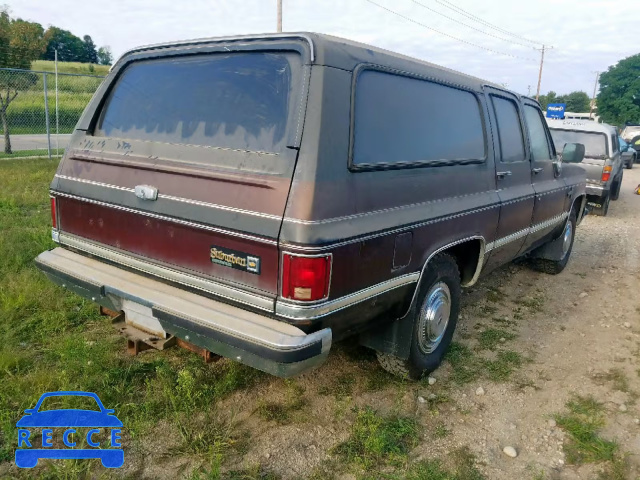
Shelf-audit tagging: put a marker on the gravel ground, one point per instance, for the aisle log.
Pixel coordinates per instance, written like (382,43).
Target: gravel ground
(575,327)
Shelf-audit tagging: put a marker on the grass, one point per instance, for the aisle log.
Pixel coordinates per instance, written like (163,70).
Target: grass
(41,152)
(377,440)
(582,423)
(616,376)
(70,67)
(495,295)
(341,386)
(534,303)
(283,412)
(54,340)
(460,465)
(491,338)
(468,366)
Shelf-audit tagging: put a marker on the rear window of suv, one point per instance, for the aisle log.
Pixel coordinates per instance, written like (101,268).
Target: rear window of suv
(595,144)
(237,101)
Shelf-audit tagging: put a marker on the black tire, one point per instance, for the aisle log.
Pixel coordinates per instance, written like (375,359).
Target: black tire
(615,189)
(604,209)
(554,267)
(631,162)
(441,271)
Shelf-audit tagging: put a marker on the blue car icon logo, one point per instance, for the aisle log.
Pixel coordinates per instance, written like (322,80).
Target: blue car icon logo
(28,453)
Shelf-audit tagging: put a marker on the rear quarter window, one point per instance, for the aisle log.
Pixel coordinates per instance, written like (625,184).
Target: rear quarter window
(406,121)
(238,101)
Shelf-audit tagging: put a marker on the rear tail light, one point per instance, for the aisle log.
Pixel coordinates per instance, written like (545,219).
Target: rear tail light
(54,215)
(606,173)
(305,278)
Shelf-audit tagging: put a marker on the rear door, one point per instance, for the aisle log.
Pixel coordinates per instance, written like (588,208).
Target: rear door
(548,184)
(184,161)
(513,176)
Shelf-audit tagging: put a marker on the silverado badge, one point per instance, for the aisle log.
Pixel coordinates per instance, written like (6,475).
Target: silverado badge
(235,259)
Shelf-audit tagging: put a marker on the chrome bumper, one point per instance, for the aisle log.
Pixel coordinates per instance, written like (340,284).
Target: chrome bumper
(260,342)
(596,190)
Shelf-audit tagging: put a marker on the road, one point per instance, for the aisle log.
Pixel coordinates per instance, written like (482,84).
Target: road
(34,142)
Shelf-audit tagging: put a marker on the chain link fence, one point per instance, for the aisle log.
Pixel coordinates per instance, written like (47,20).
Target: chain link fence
(38,110)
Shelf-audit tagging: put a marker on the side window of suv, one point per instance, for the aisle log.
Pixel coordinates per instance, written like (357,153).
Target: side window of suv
(509,130)
(540,149)
(614,143)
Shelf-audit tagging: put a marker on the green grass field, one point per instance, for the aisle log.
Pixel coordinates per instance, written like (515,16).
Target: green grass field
(69,67)
(26,114)
(53,340)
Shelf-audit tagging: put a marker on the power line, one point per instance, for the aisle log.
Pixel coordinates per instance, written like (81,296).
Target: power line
(471,16)
(446,34)
(470,26)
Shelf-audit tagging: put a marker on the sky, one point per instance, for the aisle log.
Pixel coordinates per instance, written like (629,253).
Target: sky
(586,35)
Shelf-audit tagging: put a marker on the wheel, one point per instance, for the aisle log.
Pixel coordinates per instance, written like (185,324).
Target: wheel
(604,209)
(615,189)
(554,267)
(434,315)
(630,164)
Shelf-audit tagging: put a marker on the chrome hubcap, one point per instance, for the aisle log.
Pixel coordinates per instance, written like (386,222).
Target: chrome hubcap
(566,240)
(434,317)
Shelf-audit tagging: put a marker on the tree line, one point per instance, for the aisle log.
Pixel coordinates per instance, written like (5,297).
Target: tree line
(575,101)
(22,41)
(618,99)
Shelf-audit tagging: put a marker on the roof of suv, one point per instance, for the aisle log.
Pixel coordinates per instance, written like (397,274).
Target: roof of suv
(332,51)
(581,125)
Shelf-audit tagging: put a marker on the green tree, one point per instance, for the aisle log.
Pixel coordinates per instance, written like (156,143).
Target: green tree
(576,101)
(619,98)
(105,57)
(89,52)
(20,43)
(545,100)
(70,48)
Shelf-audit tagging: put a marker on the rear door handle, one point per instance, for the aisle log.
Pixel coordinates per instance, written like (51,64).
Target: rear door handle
(537,170)
(503,174)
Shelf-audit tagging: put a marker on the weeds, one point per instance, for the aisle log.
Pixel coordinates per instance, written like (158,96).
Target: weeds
(468,367)
(376,440)
(490,338)
(495,295)
(582,423)
(534,303)
(282,412)
(616,376)
(463,468)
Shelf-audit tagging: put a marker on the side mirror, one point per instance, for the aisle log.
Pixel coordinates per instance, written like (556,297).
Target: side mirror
(573,153)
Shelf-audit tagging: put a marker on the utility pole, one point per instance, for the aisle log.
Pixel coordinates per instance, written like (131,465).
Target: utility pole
(593,99)
(279,16)
(540,73)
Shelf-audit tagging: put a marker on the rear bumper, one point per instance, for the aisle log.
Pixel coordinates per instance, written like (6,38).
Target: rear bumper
(258,341)
(597,190)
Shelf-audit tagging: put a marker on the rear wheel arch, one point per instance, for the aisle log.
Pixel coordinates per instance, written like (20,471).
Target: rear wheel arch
(469,255)
(395,337)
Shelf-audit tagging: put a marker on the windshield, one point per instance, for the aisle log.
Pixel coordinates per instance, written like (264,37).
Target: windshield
(595,144)
(631,133)
(238,101)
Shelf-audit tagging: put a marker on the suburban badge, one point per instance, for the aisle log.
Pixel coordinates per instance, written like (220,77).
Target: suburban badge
(235,259)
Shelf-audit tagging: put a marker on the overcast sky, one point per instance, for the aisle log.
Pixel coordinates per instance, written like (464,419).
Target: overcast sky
(587,35)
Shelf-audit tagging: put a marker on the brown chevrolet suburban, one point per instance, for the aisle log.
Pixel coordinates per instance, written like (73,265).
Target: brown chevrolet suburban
(259,197)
